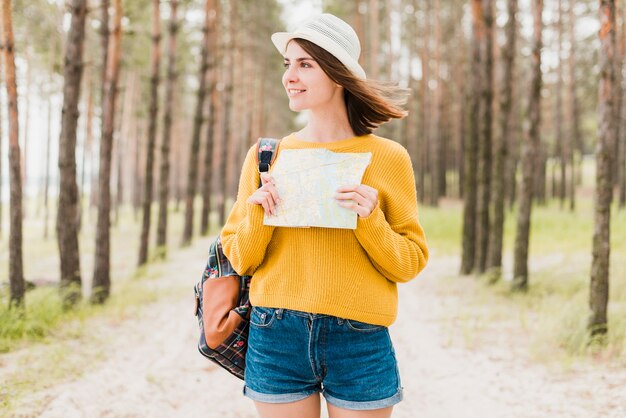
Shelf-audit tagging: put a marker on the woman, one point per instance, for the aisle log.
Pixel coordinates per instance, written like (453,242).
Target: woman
(323,298)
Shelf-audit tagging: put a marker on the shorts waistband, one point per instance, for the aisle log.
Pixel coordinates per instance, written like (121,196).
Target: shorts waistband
(282,311)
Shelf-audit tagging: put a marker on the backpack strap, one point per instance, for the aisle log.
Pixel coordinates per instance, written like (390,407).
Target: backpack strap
(266,153)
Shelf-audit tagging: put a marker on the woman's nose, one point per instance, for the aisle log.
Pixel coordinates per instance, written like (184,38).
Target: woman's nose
(290,74)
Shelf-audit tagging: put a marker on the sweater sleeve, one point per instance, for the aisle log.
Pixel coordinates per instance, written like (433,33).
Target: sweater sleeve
(394,240)
(244,237)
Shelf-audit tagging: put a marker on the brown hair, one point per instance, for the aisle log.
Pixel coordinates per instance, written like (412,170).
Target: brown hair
(369,103)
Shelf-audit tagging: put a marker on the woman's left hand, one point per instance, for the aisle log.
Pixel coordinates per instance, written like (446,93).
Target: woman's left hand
(360,198)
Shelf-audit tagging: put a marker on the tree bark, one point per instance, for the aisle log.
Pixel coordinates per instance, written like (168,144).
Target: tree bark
(1,127)
(207,180)
(494,259)
(46,184)
(599,283)
(436,137)
(164,177)
(67,214)
(621,155)
(575,134)
(422,156)
(104,42)
(226,104)
(101,284)
(374,36)
(561,143)
(192,175)
(484,143)
(461,101)
(410,123)
(471,150)
(530,151)
(16,272)
(152,132)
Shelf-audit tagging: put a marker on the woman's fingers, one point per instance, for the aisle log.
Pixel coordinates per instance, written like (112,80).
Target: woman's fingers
(360,198)
(266,195)
(267,178)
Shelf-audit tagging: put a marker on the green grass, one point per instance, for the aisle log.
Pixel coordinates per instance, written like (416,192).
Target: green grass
(61,342)
(554,311)
(43,315)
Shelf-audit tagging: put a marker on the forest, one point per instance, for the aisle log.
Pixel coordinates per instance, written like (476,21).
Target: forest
(124,125)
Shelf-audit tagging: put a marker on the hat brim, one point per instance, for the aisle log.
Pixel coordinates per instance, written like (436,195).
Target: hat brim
(281,39)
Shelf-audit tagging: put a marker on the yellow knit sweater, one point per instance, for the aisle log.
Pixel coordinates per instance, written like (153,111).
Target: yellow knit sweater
(346,273)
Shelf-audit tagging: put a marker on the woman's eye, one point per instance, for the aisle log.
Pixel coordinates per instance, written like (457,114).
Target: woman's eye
(286,64)
(306,65)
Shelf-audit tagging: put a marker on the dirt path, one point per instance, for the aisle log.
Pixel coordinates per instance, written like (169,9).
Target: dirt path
(151,367)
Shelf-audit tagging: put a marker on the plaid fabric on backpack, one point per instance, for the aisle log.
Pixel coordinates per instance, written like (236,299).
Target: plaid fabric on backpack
(222,297)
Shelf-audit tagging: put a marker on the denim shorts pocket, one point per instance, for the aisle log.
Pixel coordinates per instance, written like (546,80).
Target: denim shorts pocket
(363,327)
(262,317)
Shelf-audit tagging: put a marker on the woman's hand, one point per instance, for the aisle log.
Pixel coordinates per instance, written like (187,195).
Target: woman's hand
(360,198)
(266,195)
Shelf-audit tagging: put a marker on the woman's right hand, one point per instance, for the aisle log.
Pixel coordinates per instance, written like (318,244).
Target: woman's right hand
(266,195)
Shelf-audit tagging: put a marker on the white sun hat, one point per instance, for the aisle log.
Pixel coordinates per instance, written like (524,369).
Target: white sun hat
(330,33)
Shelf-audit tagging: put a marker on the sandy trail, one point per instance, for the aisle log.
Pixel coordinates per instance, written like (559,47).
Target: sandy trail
(151,366)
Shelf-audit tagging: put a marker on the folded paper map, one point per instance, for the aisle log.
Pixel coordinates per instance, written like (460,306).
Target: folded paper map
(307,180)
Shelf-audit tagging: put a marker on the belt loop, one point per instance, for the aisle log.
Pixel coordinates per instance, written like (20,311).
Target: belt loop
(279,313)
(340,321)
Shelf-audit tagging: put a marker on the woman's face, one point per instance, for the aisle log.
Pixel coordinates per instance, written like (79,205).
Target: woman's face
(307,85)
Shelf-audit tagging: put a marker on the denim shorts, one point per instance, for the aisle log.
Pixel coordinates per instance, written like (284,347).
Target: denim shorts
(292,355)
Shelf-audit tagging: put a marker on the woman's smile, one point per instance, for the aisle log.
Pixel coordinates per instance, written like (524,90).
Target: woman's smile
(294,92)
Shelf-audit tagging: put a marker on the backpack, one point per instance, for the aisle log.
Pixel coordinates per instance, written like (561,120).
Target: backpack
(222,296)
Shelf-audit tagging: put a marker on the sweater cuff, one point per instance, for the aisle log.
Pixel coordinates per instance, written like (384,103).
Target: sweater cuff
(368,226)
(256,213)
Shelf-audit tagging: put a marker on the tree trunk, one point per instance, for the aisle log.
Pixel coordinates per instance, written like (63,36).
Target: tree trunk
(192,175)
(16,273)
(461,98)
(164,177)
(599,284)
(621,155)
(561,153)
(530,151)
(374,36)
(617,100)
(1,129)
(410,123)
(101,285)
(46,174)
(208,160)
(541,177)
(67,214)
(436,137)
(152,131)
(425,105)
(234,129)
(226,113)
(484,143)
(494,259)
(575,134)
(104,42)
(471,150)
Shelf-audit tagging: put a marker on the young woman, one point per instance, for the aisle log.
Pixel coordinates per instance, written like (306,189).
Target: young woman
(322,297)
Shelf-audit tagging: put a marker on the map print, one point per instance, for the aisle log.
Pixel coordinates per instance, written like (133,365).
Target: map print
(306,180)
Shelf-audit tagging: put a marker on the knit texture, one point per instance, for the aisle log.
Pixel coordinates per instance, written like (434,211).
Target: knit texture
(346,273)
